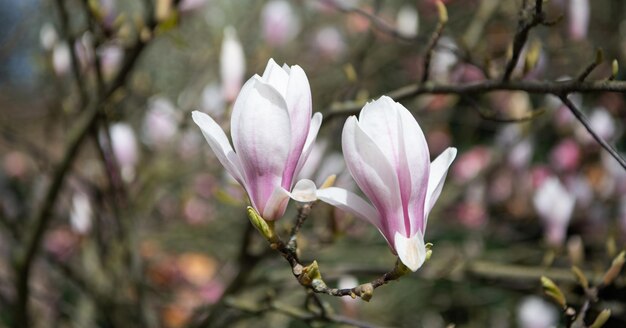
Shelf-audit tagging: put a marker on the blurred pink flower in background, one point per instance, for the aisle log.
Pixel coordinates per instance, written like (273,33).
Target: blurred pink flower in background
(190,5)
(272,114)
(438,140)
(394,171)
(566,155)
(279,23)
(578,19)
(539,174)
(407,21)
(61,243)
(212,101)
(111,56)
(232,64)
(534,312)
(554,205)
(471,163)
(471,214)
(520,154)
(160,124)
(329,42)
(125,149)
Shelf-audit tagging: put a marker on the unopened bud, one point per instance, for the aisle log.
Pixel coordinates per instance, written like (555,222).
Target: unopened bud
(365,291)
(443,12)
(553,291)
(264,227)
(580,277)
(614,69)
(576,250)
(615,269)
(601,319)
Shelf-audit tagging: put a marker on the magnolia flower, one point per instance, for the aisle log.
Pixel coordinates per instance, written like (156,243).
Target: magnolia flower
(48,36)
(81,213)
(600,121)
(387,155)
(533,312)
(232,63)
(160,123)
(279,23)
(329,43)
(61,58)
(554,205)
(578,19)
(272,132)
(407,21)
(124,146)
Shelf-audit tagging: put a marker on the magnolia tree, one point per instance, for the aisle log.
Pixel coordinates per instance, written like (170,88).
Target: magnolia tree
(500,122)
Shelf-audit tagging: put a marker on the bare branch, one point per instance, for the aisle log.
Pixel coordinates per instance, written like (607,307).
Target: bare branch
(585,122)
(443,20)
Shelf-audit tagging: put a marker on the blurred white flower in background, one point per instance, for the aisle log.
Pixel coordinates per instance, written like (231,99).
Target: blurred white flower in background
(212,101)
(124,146)
(111,56)
(443,60)
(48,36)
(407,21)
(61,58)
(601,122)
(81,213)
(554,205)
(534,312)
(232,64)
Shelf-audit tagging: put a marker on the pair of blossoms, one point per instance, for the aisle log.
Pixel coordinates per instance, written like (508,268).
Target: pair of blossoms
(385,151)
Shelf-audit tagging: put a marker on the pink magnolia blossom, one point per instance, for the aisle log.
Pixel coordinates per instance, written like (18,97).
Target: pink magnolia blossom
(566,155)
(578,19)
(232,63)
(279,23)
(471,164)
(554,205)
(272,132)
(387,155)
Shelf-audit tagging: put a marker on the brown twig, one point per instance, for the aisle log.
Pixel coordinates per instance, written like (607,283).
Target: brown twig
(434,38)
(585,122)
(524,25)
(540,87)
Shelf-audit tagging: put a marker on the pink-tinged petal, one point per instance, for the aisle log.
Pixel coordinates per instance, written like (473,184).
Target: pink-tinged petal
(375,176)
(438,171)
(219,144)
(298,99)
(418,159)
(276,204)
(277,77)
(351,203)
(304,191)
(411,251)
(314,128)
(401,139)
(260,129)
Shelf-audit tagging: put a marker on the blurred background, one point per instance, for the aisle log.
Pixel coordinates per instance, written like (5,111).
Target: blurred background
(115,213)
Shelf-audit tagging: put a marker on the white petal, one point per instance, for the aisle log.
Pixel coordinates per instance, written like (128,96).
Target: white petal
(411,251)
(218,142)
(298,100)
(304,191)
(314,128)
(438,171)
(276,204)
(397,134)
(261,134)
(349,202)
(375,176)
(276,76)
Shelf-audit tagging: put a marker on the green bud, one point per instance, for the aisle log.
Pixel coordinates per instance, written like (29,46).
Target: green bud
(264,227)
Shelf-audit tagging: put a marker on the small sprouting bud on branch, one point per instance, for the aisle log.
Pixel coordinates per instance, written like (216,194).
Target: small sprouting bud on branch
(601,319)
(266,228)
(553,291)
(615,269)
(580,277)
